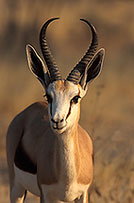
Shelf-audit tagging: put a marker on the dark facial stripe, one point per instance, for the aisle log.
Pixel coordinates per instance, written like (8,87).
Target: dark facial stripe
(93,158)
(69,112)
(23,162)
(51,109)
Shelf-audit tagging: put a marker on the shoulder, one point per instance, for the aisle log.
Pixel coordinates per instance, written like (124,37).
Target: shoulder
(34,110)
(36,106)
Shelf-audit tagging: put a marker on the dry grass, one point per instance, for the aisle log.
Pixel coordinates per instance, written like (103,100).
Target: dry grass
(107,112)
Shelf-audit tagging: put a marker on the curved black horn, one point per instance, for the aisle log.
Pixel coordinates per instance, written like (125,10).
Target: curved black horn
(77,71)
(51,64)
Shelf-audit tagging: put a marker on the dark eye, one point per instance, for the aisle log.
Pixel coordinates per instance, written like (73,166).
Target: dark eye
(48,98)
(75,99)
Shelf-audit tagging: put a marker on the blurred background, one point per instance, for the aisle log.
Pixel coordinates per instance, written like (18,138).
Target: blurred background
(107,112)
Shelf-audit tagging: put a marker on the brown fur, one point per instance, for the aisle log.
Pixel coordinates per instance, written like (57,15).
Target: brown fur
(38,138)
(41,139)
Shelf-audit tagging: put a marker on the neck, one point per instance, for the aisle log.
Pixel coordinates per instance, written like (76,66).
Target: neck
(68,148)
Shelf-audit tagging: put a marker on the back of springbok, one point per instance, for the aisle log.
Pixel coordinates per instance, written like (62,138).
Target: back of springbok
(48,152)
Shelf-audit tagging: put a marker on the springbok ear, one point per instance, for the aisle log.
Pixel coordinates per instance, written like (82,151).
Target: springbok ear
(37,66)
(93,68)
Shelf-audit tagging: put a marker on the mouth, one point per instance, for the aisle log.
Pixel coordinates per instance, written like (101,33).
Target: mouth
(58,128)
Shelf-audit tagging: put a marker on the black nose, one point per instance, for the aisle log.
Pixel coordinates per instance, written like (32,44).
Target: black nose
(57,121)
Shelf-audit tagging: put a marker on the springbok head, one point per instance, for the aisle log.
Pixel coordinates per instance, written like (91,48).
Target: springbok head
(64,95)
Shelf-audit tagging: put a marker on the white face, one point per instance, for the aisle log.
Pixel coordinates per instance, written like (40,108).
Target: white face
(63,104)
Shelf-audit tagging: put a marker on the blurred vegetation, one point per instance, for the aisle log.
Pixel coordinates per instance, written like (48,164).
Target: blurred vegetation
(107,112)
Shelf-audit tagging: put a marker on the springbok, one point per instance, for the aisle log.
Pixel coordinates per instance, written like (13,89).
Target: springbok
(48,152)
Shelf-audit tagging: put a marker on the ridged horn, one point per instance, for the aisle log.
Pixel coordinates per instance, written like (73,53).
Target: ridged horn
(75,75)
(49,59)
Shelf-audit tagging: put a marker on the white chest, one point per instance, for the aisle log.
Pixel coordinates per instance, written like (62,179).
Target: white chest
(65,193)
(58,191)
